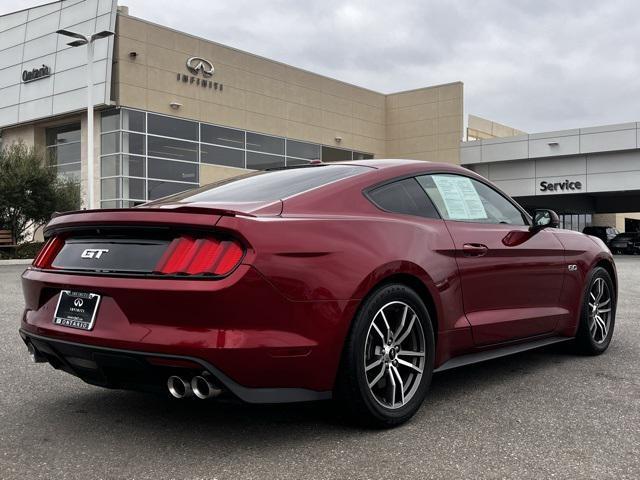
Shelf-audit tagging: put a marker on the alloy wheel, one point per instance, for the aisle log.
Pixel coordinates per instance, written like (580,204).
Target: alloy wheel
(599,310)
(394,355)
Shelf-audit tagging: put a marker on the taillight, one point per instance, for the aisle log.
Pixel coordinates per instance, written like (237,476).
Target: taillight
(48,253)
(200,256)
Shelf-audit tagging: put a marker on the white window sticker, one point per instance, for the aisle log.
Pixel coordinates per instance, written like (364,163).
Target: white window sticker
(460,197)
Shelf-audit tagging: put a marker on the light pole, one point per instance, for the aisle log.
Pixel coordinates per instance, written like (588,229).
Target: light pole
(88,41)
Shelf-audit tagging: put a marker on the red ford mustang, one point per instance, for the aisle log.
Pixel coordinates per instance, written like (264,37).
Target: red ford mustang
(354,281)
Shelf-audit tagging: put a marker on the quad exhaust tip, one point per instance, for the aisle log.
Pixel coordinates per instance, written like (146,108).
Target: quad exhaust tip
(34,355)
(179,387)
(201,386)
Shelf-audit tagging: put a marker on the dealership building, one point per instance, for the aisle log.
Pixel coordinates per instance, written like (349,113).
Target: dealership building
(173,111)
(590,176)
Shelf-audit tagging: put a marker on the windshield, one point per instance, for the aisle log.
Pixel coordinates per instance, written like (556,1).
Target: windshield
(267,186)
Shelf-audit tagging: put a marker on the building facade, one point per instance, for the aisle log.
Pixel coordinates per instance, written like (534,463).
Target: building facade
(589,176)
(174,111)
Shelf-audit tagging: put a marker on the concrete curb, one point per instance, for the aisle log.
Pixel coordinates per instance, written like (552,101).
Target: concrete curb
(16,261)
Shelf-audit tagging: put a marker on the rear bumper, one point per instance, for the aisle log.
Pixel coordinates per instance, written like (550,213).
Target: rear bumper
(261,346)
(126,369)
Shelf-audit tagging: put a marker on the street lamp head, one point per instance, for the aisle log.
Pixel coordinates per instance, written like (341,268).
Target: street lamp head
(77,43)
(102,34)
(69,33)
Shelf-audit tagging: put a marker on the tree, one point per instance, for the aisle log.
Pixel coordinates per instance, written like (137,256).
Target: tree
(31,191)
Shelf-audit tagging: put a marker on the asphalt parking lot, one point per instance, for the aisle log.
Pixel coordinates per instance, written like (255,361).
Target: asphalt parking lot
(542,414)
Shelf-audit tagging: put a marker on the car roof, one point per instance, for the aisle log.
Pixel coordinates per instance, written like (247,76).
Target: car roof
(396,163)
(395,167)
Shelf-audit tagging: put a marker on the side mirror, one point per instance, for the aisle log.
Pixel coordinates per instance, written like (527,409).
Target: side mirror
(544,218)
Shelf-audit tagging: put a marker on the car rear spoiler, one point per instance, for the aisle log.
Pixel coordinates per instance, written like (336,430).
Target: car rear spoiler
(194,215)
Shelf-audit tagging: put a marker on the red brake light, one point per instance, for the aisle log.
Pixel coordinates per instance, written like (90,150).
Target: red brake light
(189,256)
(48,253)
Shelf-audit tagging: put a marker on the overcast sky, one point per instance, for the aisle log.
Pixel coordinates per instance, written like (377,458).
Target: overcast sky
(533,64)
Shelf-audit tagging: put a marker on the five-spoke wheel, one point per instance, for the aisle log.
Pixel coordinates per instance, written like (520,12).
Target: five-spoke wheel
(598,313)
(394,354)
(599,310)
(388,357)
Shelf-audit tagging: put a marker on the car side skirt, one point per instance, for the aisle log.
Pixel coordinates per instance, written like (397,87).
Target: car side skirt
(485,355)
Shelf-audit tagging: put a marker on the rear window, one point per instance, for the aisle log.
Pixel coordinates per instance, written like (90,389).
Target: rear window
(267,186)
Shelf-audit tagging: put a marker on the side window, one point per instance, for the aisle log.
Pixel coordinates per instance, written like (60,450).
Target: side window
(465,199)
(404,196)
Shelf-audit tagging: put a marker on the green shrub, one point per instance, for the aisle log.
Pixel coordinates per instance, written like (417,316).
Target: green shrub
(24,250)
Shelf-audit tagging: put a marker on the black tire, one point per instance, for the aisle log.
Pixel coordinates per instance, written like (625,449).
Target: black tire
(352,386)
(585,341)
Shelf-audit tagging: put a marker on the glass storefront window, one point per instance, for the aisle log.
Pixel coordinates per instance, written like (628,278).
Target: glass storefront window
(262,161)
(134,166)
(331,154)
(69,170)
(134,120)
(67,153)
(309,151)
(133,188)
(146,156)
(110,143)
(221,156)
(265,143)
(133,143)
(171,148)
(64,134)
(574,221)
(170,170)
(110,166)
(64,150)
(172,127)
(110,121)
(110,188)
(158,189)
(222,136)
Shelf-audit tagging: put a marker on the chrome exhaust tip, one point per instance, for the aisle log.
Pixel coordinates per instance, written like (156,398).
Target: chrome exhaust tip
(178,387)
(34,355)
(203,388)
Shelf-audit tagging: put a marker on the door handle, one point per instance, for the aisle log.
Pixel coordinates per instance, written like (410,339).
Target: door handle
(474,250)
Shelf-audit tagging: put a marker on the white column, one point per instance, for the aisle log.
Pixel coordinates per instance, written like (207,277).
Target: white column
(90,202)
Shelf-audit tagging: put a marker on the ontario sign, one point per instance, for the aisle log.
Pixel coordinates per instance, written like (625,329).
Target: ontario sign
(36,74)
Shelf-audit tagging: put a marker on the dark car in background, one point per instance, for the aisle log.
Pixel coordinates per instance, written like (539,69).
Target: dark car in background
(628,242)
(606,234)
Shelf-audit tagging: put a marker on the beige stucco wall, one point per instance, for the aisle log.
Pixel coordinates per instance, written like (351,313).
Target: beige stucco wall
(425,124)
(213,173)
(266,96)
(479,128)
(616,220)
(24,133)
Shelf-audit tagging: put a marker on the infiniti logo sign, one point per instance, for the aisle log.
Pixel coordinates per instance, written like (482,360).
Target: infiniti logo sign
(197,64)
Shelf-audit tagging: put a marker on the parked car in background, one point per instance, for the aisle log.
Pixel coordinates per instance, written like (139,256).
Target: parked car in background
(606,234)
(628,242)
